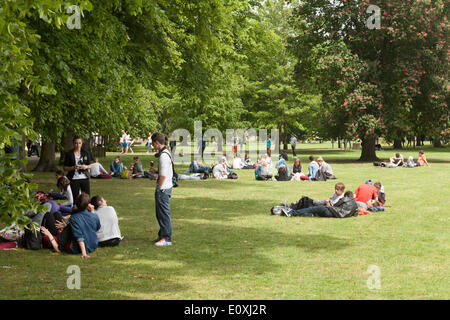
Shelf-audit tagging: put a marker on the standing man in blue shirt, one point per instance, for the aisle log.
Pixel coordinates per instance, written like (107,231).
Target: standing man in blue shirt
(163,190)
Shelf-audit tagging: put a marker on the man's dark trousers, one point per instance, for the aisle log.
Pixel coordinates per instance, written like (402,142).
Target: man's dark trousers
(162,204)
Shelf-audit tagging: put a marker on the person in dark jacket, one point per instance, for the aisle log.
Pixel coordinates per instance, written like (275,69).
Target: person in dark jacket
(78,163)
(346,207)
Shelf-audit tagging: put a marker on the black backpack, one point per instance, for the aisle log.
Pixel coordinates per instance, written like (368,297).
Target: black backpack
(232,175)
(304,202)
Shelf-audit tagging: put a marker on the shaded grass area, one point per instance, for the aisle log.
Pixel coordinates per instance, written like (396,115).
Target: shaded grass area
(228,246)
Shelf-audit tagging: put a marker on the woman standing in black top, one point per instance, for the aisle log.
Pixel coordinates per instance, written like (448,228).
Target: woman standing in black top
(77,162)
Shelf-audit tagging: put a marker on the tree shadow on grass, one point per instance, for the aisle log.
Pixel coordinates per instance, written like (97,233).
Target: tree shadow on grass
(216,251)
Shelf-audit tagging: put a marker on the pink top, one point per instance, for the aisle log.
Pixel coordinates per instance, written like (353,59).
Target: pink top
(421,159)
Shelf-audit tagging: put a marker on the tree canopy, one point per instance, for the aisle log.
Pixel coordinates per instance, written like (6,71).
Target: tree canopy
(311,67)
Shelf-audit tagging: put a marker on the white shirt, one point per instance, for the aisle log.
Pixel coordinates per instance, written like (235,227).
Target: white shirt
(165,169)
(237,163)
(335,198)
(109,224)
(69,196)
(326,168)
(293,141)
(97,169)
(76,175)
(218,171)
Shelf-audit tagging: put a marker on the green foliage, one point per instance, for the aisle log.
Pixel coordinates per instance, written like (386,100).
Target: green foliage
(399,72)
(17,39)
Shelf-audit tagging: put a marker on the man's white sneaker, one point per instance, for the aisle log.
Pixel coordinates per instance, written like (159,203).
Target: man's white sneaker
(162,243)
(286,211)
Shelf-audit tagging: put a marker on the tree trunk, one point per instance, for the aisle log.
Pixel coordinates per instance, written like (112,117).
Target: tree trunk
(285,138)
(279,138)
(398,144)
(437,142)
(220,144)
(47,160)
(66,144)
(368,150)
(339,143)
(22,154)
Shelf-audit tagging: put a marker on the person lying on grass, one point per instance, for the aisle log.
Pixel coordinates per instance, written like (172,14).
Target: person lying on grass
(198,167)
(346,207)
(151,173)
(339,189)
(369,204)
(80,237)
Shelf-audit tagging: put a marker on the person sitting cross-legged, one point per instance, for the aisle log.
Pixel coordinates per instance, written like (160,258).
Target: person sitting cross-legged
(238,164)
(138,171)
(117,167)
(220,169)
(262,172)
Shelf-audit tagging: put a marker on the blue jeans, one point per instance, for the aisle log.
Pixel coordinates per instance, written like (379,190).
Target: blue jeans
(149,175)
(162,204)
(316,211)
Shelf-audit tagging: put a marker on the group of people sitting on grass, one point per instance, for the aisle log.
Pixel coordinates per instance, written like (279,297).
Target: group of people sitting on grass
(77,229)
(398,161)
(369,197)
(317,171)
(135,171)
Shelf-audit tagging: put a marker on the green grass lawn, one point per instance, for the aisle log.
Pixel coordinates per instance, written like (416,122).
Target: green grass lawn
(226,245)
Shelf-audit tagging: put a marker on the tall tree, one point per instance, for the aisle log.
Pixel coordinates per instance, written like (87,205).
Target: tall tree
(386,91)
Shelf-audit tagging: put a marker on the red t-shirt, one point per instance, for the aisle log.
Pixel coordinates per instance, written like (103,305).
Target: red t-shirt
(421,159)
(366,192)
(47,243)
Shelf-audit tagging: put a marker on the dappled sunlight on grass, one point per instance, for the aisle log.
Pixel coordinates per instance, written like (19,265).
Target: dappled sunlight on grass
(226,245)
